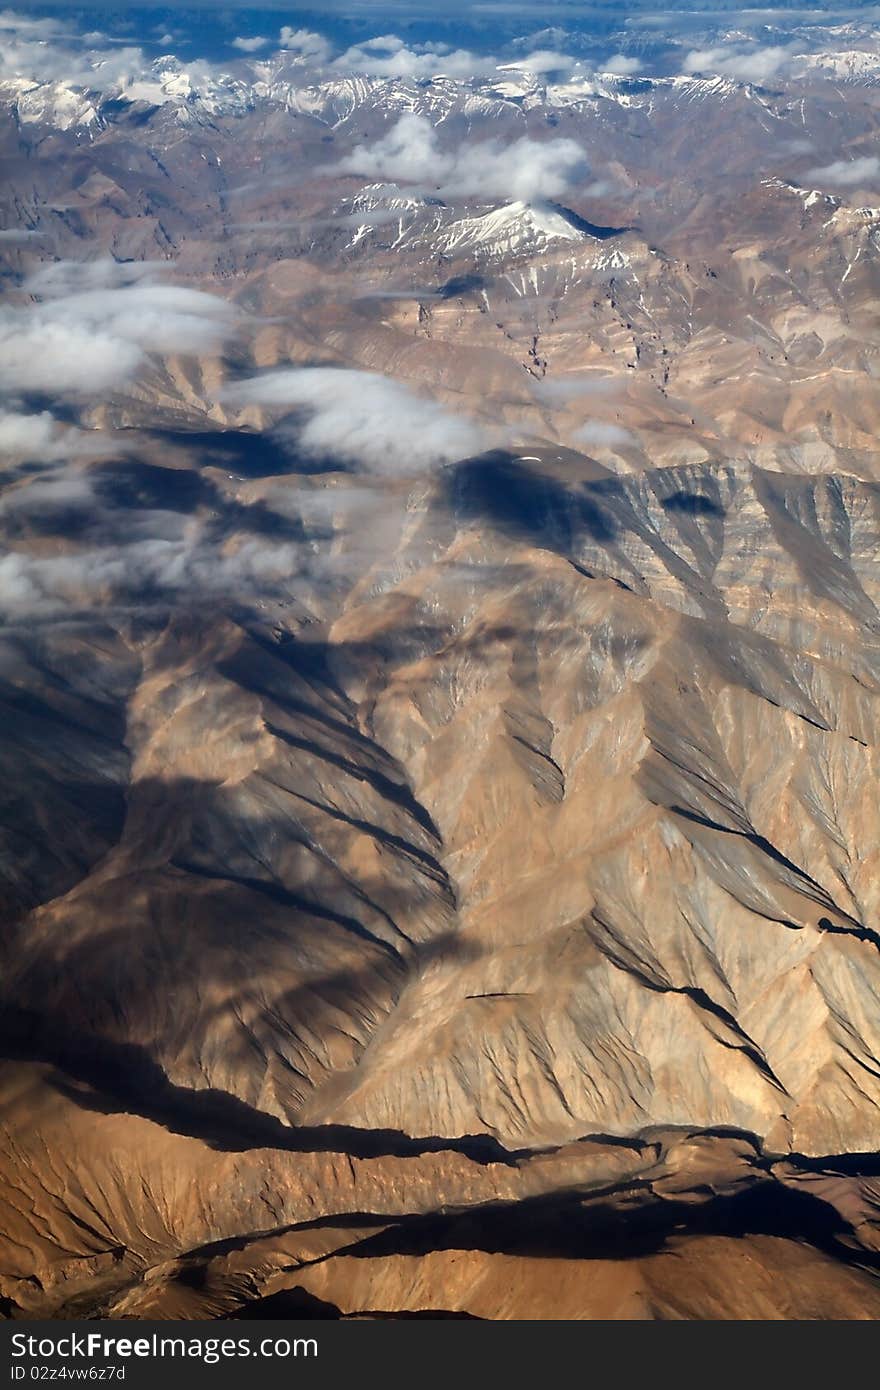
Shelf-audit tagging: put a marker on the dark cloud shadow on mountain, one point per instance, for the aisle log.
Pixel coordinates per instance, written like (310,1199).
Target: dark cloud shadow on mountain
(24,470)
(277,892)
(89,1002)
(123,112)
(531,503)
(128,490)
(132,485)
(65,764)
(245,453)
(257,882)
(527,505)
(86,818)
(296,1302)
(72,520)
(66,412)
(461,285)
(95,985)
(859,932)
(397,792)
(692,504)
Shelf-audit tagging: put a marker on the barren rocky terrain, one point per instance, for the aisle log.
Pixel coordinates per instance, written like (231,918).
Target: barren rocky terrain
(441,698)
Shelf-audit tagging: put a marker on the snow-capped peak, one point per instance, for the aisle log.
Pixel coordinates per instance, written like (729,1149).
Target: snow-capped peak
(55,104)
(513,229)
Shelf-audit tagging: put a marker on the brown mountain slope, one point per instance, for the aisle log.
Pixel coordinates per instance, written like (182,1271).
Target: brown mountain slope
(566,832)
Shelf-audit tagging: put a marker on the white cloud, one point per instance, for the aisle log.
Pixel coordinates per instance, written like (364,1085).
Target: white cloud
(384,43)
(41,353)
(408,151)
(523,169)
(741,62)
(11,22)
(41,586)
(364,418)
(250,45)
(305,44)
(60,279)
(56,54)
(18,592)
(796,146)
(41,438)
(47,495)
(846,173)
(97,338)
(93,63)
(619,65)
(541,62)
(573,386)
(599,433)
(388,56)
(541,38)
(28,435)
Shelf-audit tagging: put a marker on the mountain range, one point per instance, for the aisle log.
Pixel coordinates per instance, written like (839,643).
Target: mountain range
(441,680)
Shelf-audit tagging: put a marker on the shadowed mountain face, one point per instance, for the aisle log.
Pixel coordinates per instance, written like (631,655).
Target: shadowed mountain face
(440,679)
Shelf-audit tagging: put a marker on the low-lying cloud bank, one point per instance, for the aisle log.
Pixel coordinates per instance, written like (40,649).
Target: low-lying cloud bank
(92,339)
(825,53)
(274,65)
(603,434)
(389,56)
(40,586)
(40,438)
(54,51)
(363,418)
(743,62)
(523,169)
(87,329)
(81,330)
(848,173)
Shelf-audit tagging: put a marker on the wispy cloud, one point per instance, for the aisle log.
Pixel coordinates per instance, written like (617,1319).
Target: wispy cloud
(363,418)
(602,434)
(574,386)
(306,44)
(40,51)
(744,62)
(253,45)
(388,56)
(545,62)
(848,173)
(24,26)
(521,169)
(41,438)
(42,586)
(51,50)
(620,65)
(93,339)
